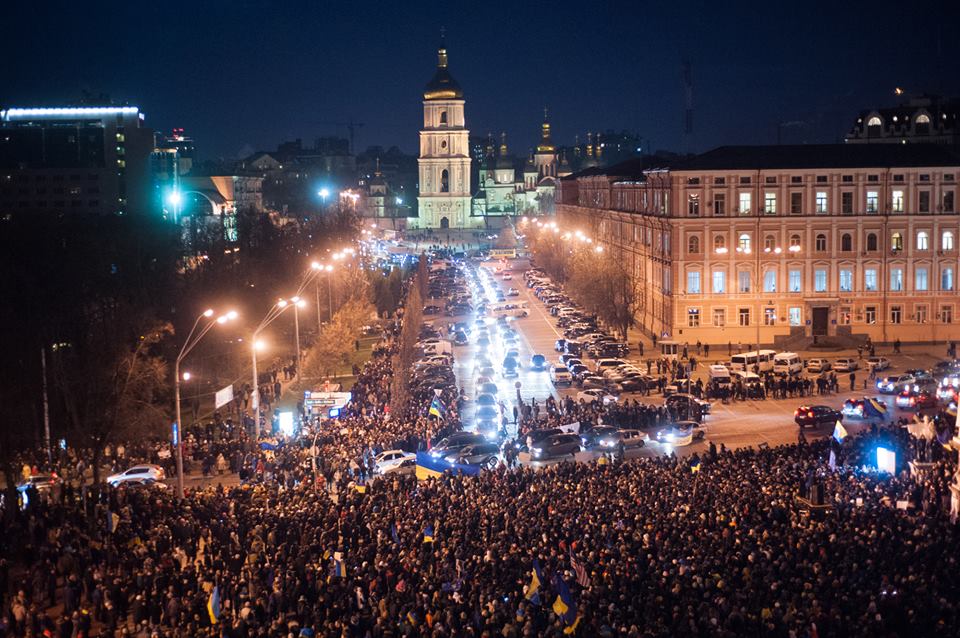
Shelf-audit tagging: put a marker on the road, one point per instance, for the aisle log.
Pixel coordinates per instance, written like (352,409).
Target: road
(735,425)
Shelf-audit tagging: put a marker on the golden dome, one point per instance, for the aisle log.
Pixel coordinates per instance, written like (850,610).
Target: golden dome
(442,86)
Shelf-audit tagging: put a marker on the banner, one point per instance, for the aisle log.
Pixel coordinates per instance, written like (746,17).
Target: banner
(224,396)
(570,428)
(429,466)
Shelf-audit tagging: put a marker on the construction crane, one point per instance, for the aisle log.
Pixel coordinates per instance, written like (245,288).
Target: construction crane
(351,128)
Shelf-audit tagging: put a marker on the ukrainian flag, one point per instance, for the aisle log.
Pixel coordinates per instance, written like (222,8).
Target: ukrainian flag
(695,467)
(564,606)
(533,589)
(213,606)
(428,534)
(429,466)
(436,408)
(339,569)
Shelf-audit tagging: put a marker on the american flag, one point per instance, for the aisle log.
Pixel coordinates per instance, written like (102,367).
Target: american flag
(583,578)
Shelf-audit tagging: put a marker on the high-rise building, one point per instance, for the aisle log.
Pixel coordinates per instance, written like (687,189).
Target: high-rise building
(90,160)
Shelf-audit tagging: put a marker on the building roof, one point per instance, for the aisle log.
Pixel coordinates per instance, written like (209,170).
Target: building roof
(820,156)
(442,86)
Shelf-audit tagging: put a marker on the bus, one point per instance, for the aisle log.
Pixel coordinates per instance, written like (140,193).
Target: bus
(754,361)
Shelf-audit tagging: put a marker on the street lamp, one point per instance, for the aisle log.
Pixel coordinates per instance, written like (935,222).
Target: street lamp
(275,311)
(193,338)
(297,303)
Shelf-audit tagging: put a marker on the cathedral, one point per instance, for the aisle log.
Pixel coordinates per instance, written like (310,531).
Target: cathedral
(446,198)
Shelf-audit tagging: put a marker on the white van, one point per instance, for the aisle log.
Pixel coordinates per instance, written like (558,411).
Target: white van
(787,363)
(762,359)
(719,374)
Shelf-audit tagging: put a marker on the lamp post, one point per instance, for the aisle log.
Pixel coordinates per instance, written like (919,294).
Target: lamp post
(193,338)
(318,268)
(275,311)
(297,304)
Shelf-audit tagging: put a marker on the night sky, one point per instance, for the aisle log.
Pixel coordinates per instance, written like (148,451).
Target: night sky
(242,76)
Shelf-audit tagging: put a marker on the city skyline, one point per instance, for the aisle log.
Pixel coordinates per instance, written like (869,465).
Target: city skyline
(246,79)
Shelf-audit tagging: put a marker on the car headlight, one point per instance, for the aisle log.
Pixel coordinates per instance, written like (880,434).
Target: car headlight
(607,443)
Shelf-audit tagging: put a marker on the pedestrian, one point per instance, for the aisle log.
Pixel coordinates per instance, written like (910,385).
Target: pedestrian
(640,348)
(853,381)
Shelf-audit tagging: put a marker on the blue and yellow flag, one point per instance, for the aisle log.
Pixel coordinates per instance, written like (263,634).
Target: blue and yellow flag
(536,580)
(695,466)
(564,606)
(428,534)
(213,606)
(436,408)
(339,569)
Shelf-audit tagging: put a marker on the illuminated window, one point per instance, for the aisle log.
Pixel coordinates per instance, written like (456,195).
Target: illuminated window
(770,281)
(870,314)
(820,280)
(873,200)
(870,279)
(896,202)
(946,240)
(920,280)
(946,279)
(896,279)
(743,243)
(719,205)
(769,242)
(874,121)
(693,205)
(923,240)
(770,203)
(743,281)
(719,281)
(821,203)
(693,317)
(896,241)
(796,316)
(719,317)
(846,280)
(923,314)
(693,282)
(744,203)
(769,316)
(794,281)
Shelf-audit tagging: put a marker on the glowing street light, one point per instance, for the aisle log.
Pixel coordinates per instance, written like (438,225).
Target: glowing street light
(193,338)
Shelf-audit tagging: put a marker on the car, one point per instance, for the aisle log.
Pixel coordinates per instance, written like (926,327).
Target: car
(590,381)
(894,384)
(559,375)
(486,399)
(559,345)
(138,473)
(816,415)
(513,292)
(488,387)
(917,398)
(405,467)
(846,364)
(579,372)
(452,444)
(602,364)
(555,445)
(636,383)
(633,438)
(42,483)
(682,433)
(596,394)
(538,435)
(818,365)
(460,338)
(856,407)
(482,454)
(432,310)
(507,276)
(572,361)
(877,363)
(603,436)
(688,404)
(392,458)
(538,363)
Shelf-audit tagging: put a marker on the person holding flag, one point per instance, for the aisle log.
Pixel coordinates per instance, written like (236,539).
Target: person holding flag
(565,606)
(437,408)
(213,605)
(536,581)
(428,534)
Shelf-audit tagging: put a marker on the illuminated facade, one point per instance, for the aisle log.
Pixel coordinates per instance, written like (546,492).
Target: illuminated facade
(83,160)
(782,244)
(444,162)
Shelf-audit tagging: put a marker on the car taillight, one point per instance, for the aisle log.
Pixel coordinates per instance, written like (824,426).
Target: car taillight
(810,414)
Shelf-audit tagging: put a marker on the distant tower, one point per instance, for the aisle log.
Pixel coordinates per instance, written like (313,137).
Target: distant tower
(444,163)
(545,159)
(688,106)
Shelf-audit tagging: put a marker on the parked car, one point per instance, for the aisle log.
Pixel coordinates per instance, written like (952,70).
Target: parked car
(138,473)
(554,446)
(878,363)
(392,458)
(846,365)
(560,375)
(596,394)
(42,483)
(816,415)
(818,365)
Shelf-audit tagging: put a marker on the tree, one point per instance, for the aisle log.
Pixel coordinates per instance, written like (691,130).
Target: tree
(112,381)
(335,345)
(600,281)
(406,352)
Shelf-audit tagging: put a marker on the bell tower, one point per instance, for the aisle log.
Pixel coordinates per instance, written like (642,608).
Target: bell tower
(444,161)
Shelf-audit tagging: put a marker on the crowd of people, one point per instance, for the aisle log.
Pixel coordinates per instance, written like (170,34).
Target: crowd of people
(313,543)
